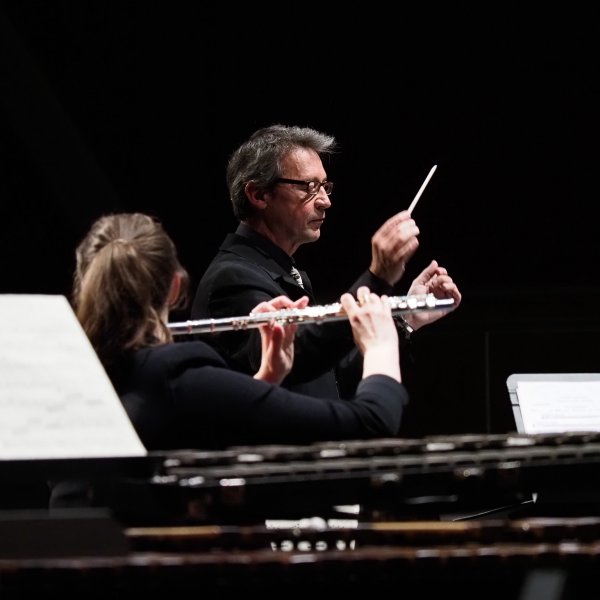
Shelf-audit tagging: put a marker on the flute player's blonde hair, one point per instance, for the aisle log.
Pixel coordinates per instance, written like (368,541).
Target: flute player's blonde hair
(125,266)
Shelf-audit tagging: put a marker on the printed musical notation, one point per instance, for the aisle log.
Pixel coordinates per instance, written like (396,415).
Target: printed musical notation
(56,400)
(559,406)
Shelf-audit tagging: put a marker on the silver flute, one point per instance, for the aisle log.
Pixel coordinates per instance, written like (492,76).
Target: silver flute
(311,314)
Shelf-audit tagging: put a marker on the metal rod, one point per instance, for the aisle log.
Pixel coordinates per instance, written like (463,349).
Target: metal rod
(301,316)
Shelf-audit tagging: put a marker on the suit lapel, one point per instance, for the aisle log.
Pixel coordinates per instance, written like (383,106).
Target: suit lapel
(242,247)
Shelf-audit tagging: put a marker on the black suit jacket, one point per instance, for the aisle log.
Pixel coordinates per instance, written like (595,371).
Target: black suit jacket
(249,269)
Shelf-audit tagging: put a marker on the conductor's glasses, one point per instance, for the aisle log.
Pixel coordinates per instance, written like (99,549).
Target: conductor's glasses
(311,187)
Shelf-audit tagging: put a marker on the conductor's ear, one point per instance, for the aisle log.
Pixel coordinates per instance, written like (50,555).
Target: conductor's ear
(257,195)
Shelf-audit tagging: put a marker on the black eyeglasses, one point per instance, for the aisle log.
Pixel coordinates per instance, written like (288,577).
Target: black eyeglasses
(311,187)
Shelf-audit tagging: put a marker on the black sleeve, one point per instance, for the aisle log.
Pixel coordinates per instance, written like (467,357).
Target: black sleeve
(374,283)
(229,408)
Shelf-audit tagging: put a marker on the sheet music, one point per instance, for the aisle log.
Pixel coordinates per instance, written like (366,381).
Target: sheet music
(559,406)
(56,400)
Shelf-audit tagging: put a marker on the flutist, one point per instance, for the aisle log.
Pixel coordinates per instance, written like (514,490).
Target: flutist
(183,395)
(281,193)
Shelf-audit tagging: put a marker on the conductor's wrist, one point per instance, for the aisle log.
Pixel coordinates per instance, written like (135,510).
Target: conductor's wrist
(379,284)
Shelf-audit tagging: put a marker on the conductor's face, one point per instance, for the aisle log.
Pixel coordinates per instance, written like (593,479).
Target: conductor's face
(295,210)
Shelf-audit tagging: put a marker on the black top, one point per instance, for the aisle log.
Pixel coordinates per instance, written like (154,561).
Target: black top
(249,269)
(184,396)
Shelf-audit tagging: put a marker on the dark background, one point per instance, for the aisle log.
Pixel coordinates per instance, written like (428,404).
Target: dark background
(118,106)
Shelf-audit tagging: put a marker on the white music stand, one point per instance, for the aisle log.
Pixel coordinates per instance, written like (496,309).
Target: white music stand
(56,400)
(555,402)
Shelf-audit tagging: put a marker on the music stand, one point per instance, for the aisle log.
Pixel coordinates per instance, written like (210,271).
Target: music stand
(555,402)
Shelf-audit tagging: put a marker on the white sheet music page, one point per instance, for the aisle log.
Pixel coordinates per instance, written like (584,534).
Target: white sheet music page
(56,400)
(559,406)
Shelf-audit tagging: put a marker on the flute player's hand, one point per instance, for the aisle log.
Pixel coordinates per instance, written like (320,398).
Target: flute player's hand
(277,341)
(374,332)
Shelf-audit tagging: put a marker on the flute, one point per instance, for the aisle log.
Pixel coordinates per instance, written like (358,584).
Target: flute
(310,314)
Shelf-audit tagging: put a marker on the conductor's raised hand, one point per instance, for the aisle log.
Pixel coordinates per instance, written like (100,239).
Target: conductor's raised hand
(392,246)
